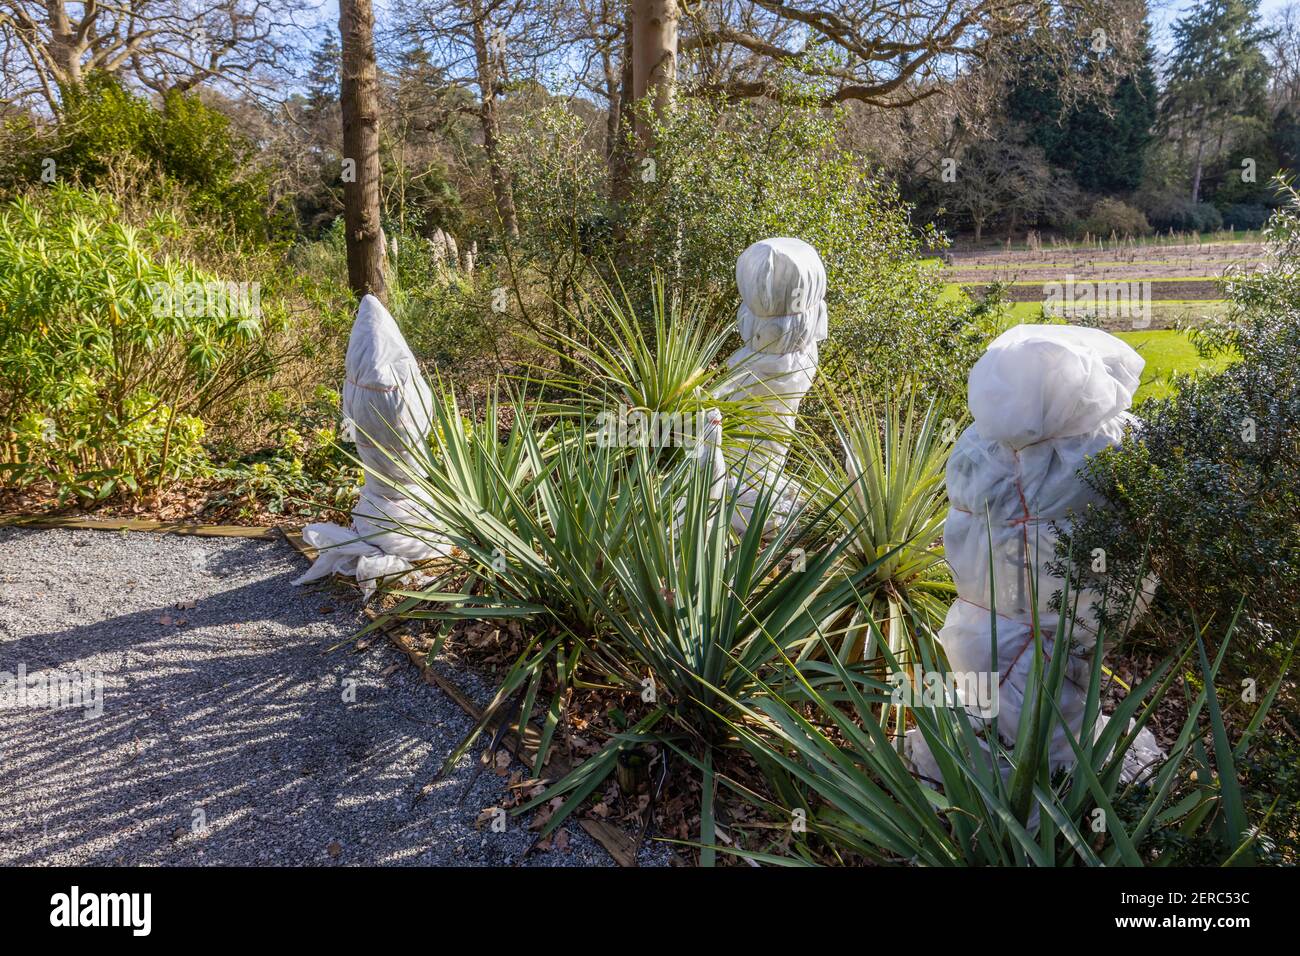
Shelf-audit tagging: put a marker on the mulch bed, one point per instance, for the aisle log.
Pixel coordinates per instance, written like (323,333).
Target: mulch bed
(194,501)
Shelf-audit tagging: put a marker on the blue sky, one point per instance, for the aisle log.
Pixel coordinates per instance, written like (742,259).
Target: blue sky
(1163,13)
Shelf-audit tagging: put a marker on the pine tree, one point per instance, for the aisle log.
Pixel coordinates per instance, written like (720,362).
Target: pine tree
(1217,72)
(1102,143)
(323,77)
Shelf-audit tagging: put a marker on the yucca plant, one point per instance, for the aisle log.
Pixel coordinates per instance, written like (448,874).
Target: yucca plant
(698,613)
(570,523)
(654,368)
(883,490)
(532,517)
(994,804)
(886,480)
(476,466)
(666,364)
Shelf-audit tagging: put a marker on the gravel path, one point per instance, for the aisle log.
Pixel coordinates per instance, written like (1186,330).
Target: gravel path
(226,734)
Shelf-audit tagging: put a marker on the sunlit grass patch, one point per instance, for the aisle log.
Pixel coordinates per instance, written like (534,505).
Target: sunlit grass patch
(1168,352)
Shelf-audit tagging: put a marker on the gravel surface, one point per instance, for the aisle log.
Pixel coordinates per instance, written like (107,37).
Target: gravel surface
(228,735)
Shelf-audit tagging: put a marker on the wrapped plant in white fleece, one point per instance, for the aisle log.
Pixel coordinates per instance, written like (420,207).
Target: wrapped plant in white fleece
(1043,399)
(782,318)
(387,403)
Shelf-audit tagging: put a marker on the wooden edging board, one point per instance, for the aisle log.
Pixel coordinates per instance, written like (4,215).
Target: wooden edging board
(138,524)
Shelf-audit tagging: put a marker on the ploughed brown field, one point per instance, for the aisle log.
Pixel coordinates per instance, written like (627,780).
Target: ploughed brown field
(1171,266)
(1183,275)
(1037,292)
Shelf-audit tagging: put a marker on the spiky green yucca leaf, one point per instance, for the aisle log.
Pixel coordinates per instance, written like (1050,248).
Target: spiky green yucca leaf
(886,480)
(665,365)
(862,793)
(661,367)
(698,612)
(698,605)
(533,516)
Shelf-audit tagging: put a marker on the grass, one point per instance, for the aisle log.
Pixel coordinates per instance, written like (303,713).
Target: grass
(1032,311)
(1168,352)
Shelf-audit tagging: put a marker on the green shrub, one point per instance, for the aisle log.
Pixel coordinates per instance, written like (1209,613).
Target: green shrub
(1111,216)
(1209,486)
(303,470)
(729,174)
(111,352)
(445,315)
(720,177)
(1270,775)
(103,128)
(1249,216)
(1168,212)
(194,145)
(566,224)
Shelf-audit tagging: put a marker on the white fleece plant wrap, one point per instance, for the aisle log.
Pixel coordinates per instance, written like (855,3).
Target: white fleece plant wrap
(387,402)
(782,318)
(1043,398)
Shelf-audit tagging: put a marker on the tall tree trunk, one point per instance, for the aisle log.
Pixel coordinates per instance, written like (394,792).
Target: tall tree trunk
(613,91)
(359,103)
(502,191)
(654,58)
(63,45)
(1200,152)
(620,159)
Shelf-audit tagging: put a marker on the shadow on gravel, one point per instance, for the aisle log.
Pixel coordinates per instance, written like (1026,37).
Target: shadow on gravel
(229,736)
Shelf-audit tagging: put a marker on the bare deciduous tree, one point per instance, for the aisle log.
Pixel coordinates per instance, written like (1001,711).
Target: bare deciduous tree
(486,47)
(892,53)
(1004,179)
(1283,48)
(160,44)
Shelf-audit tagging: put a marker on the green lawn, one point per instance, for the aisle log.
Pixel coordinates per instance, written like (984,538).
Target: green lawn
(1166,352)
